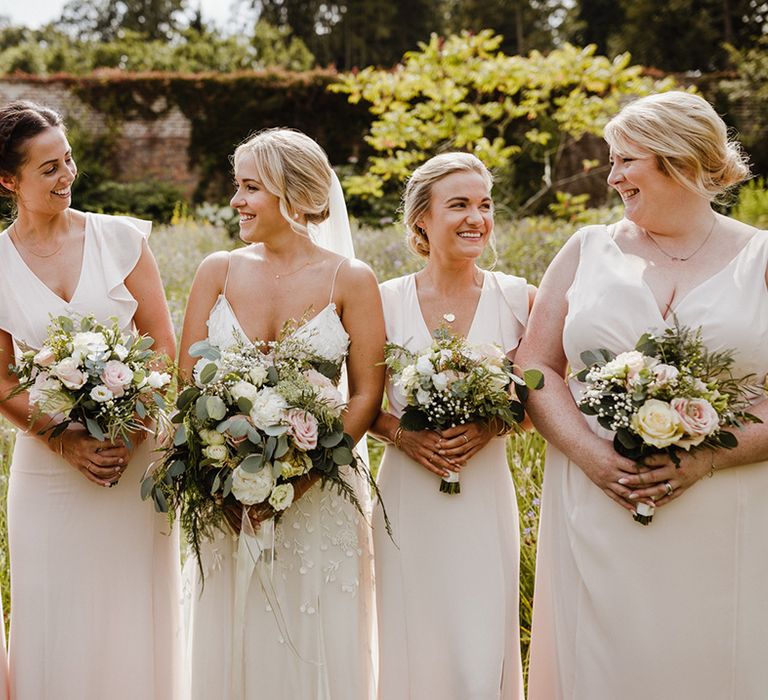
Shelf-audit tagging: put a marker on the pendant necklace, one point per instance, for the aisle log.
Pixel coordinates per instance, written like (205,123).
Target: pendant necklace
(280,275)
(677,258)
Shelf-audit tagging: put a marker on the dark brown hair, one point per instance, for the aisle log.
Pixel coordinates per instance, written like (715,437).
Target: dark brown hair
(21,121)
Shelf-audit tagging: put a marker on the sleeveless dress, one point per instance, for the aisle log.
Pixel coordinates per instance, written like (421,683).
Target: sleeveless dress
(447,588)
(95,586)
(321,577)
(677,610)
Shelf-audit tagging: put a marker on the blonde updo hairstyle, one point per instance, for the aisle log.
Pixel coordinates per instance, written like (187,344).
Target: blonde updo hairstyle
(688,138)
(295,169)
(417,197)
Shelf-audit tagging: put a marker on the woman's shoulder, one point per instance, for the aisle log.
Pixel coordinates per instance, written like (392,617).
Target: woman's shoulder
(111,225)
(395,286)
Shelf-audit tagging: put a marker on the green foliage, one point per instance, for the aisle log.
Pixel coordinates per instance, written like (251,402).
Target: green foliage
(49,50)
(105,20)
(752,205)
(148,199)
(517,114)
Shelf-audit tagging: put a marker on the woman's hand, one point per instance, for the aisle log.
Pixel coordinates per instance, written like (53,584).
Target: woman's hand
(422,446)
(103,463)
(460,443)
(257,514)
(608,470)
(662,482)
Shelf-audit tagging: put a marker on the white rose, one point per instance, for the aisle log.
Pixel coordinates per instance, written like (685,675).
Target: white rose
(44,357)
(408,377)
(281,496)
(244,390)
(332,398)
(101,394)
(258,374)
(88,342)
(251,488)
(657,423)
(440,381)
(157,380)
(664,374)
(422,397)
(67,371)
(424,365)
(121,351)
(268,407)
(218,453)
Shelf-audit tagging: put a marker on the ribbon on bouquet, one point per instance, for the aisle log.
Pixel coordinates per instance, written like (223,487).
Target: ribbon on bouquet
(254,547)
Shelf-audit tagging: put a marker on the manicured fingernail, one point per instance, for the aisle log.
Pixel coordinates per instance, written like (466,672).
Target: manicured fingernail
(623,482)
(633,496)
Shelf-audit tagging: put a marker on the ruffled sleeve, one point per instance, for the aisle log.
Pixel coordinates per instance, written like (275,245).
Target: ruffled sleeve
(6,285)
(119,240)
(513,293)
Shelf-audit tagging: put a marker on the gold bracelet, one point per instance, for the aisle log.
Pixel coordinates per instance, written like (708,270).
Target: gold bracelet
(398,437)
(712,468)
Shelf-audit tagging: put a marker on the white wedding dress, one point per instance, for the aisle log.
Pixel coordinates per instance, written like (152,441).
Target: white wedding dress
(321,578)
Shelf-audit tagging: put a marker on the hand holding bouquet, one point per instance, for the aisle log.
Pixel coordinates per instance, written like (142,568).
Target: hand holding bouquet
(453,382)
(255,421)
(668,394)
(93,374)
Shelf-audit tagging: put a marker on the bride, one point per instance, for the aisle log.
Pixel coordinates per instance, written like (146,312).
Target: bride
(304,629)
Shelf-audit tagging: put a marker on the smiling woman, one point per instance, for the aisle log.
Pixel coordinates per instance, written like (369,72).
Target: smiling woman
(618,607)
(451,574)
(74,575)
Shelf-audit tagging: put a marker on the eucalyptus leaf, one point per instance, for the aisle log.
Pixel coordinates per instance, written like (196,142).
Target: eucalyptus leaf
(217,409)
(146,487)
(94,429)
(186,397)
(252,463)
(201,408)
(141,410)
(534,378)
(181,436)
(282,447)
(176,468)
(331,439)
(208,373)
(203,348)
(343,455)
(161,503)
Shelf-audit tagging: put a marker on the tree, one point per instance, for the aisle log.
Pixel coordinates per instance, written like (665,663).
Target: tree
(104,20)
(517,114)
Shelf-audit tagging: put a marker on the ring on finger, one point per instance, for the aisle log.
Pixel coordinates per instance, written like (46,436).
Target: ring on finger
(668,490)
(466,439)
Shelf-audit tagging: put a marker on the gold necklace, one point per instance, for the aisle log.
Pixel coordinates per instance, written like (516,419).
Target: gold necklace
(280,275)
(32,252)
(677,258)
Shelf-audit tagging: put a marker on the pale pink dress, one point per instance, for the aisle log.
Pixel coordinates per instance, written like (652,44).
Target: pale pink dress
(447,587)
(305,626)
(95,586)
(677,610)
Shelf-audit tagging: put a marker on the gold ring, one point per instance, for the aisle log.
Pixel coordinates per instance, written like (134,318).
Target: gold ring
(466,439)
(668,490)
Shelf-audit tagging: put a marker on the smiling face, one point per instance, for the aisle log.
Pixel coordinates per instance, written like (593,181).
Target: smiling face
(647,193)
(260,216)
(43,183)
(459,221)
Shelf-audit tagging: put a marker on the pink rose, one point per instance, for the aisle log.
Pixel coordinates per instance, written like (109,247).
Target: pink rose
(664,374)
(303,429)
(697,418)
(317,379)
(69,374)
(116,376)
(44,357)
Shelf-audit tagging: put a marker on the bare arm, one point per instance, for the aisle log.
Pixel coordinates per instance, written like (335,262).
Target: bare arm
(152,316)
(552,409)
(206,287)
(363,319)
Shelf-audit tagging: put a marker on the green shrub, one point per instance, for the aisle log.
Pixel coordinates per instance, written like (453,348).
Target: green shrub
(752,205)
(149,199)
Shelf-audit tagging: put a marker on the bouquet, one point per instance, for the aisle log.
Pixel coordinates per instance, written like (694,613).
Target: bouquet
(453,382)
(96,375)
(255,420)
(668,394)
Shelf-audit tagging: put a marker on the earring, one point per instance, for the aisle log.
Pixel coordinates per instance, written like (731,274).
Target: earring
(296,215)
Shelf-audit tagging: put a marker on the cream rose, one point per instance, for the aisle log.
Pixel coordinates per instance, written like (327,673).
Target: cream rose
(664,374)
(697,418)
(244,390)
(249,488)
(657,423)
(295,464)
(218,453)
(302,426)
(157,380)
(281,496)
(212,437)
(258,375)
